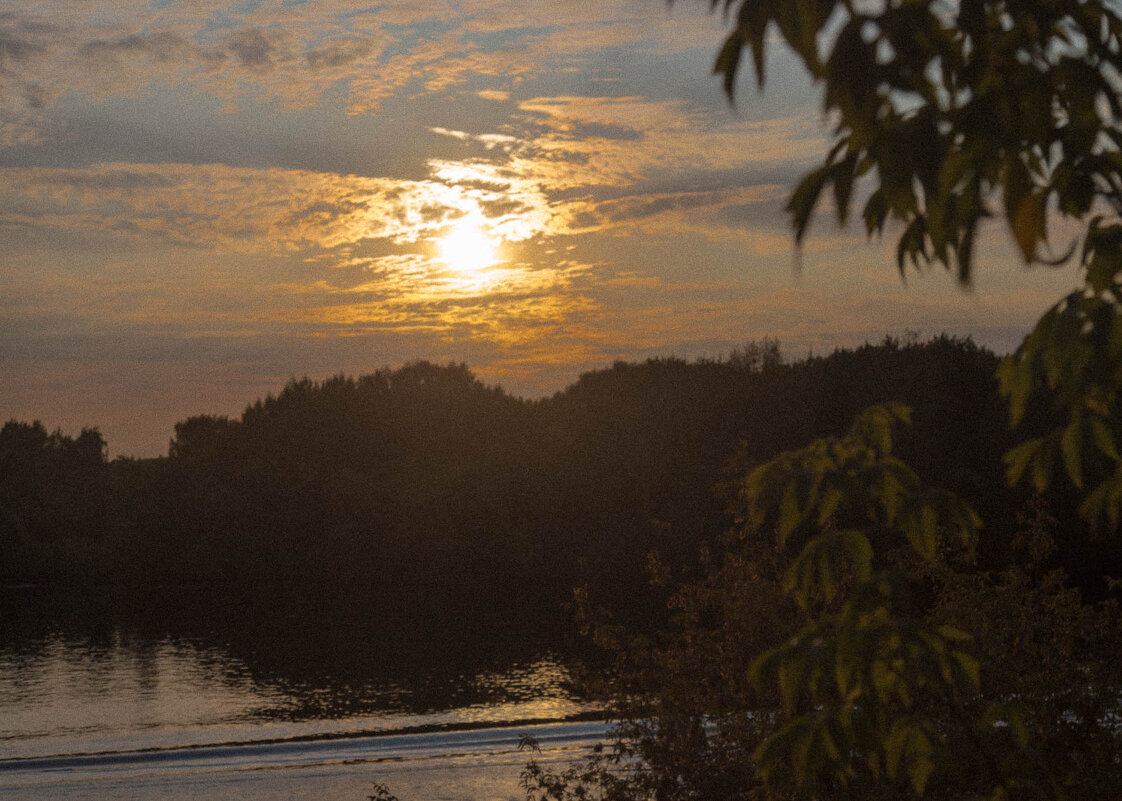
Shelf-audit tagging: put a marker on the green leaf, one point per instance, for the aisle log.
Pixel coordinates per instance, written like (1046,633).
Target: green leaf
(805,198)
(894,744)
(860,553)
(1018,459)
(789,676)
(1017,194)
(919,771)
(875,212)
(923,532)
(1103,268)
(1071,447)
(953,634)
(728,61)
(843,185)
(1015,377)
(969,666)
(1104,439)
(912,244)
(828,504)
(1042,465)
(753,19)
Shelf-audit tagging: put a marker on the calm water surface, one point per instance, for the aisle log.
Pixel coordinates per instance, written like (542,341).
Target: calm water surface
(273,681)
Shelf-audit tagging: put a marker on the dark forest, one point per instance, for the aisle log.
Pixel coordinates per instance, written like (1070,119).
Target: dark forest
(420,491)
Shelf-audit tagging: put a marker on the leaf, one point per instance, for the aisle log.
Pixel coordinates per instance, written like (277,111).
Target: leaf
(953,634)
(1018,185)
(1071,448)
(728,61)
(1017,725)
(1104,439)
(1015,377)
(875,213)
(754,18)
(1103,268)
(912,244)
(805,198)
(919,771)
(860,552)
(969,666)
(894,744)
(1018,459)
(789,677)
(923,532)
(826,570)
(843,185)
(828,504)
(1042,464)
(1029,224)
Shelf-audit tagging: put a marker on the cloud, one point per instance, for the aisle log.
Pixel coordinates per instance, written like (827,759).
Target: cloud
(257,50)
(373,236)
(18,44)
(315,52)
(580,165)
(677,136)
(562,166)
(340,53)
(241,209)
(162,47)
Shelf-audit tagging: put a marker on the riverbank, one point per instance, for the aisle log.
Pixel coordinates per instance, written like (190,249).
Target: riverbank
(481,764)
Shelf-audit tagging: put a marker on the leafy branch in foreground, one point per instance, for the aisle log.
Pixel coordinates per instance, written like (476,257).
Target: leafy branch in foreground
(836,665)
(945,114)
(854,681)
(1073,359)
(944,106)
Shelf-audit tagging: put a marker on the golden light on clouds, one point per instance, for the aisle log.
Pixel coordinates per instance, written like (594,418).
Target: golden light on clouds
(279,188)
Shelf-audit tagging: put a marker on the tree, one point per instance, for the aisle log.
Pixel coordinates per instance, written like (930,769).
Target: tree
(54,501)
(944,108)
(948,110)
(944,112)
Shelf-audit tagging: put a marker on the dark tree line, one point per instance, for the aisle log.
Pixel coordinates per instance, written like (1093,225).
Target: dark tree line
(54,501)
(421,488)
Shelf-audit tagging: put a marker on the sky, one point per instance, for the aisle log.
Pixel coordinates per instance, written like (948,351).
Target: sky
(202,200)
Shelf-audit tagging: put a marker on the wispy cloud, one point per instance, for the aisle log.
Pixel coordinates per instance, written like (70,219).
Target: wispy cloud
(304,54)
(238,209)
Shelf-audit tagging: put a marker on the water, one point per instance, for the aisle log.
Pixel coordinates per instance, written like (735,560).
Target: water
(469,765)
(204,697)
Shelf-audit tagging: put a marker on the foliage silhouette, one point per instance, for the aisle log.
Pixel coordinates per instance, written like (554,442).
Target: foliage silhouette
(54,505)
(940,109)
(422,489)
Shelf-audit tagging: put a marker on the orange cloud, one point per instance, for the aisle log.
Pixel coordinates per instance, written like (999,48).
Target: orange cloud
(240,209)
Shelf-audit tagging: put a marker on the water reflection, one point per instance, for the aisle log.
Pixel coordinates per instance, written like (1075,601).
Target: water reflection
(88,674)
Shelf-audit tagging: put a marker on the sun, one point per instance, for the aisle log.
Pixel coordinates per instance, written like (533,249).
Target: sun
(467,248)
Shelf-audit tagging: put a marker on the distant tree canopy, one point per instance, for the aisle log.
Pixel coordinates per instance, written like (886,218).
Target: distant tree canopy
(54,490)
(422,483)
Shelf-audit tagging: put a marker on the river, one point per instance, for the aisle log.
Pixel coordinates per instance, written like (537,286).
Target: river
(203,697)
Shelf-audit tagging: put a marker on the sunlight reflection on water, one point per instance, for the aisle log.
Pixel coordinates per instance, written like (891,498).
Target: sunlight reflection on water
(73,695)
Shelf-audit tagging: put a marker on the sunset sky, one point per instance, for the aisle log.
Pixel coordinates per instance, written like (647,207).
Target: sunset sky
(200,200)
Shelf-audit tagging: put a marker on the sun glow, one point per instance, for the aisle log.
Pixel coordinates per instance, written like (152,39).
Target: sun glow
(467,248)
